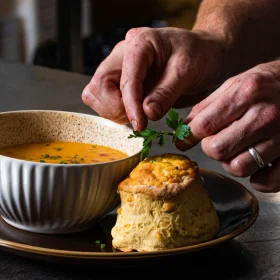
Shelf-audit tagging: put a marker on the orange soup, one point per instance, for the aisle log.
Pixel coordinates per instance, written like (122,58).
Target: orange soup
(63,153)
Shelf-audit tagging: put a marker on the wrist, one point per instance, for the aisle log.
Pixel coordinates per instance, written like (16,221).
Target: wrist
(225,23)
(247,30)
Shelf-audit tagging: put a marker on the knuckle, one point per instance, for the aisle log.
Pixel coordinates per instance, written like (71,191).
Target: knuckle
(113,114)
(118,113)
(205,125)
(84,98)
(250,88)
(253,83)
(118,45)
(238,168)
(94,83)
(263,68)
(214,149)
(229,83)
(196,108)
(270,114)
(93,88)
(133,33)
(130,34)
(85,95)
(165,93)
(183,68)
(105,115)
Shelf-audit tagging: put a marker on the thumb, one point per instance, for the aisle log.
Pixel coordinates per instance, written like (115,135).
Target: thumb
(164,94)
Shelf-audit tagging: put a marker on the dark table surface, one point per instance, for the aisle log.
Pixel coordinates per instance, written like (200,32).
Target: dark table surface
(255,254)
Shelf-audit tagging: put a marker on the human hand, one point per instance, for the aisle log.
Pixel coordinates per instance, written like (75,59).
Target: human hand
(244,112)
(153,70)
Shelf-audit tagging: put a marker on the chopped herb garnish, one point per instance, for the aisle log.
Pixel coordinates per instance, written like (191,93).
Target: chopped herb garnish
(55,157)
(181,130)
(58,149)
(81,159)
(63,162)
(93,146)
(153,161)
(46,156)
(42,160)
(177,167)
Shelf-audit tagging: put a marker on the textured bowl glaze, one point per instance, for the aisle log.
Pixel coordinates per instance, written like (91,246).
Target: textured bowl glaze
(59,198)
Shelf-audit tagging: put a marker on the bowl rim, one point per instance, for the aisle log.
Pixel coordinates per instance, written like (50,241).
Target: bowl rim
(68,165)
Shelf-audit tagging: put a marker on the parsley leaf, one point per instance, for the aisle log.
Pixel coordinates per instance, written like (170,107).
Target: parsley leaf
(173,119)
(180,131)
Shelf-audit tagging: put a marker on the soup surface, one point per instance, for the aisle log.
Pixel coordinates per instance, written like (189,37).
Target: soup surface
(63,153)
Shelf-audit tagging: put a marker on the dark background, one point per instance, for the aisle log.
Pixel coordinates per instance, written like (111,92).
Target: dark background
(49,32)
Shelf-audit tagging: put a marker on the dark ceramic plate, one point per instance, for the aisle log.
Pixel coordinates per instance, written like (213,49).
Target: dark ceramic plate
(236,206)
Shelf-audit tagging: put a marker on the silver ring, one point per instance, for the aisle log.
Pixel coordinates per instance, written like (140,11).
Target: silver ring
(259,161)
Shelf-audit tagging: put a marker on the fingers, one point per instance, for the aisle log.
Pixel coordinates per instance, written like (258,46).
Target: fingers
(231,144)
(236,137)
(108,103)
(244,165)
(168,89)
(268,179)
(102,94)
(138,57)
(209,100)
(116,91)
(229,103)
(148,72)
(215,114)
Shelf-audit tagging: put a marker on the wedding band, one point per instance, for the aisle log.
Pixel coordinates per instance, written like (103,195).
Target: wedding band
(259,161)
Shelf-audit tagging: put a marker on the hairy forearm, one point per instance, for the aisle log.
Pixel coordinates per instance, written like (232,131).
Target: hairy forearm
(248,28)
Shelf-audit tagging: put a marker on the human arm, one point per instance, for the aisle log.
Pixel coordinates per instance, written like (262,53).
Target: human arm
(249,28)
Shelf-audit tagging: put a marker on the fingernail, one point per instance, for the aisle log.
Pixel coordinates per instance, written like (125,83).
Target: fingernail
(156,108)
(134,124)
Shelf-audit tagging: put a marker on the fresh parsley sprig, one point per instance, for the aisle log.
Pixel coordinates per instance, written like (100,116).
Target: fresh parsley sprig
(180,131)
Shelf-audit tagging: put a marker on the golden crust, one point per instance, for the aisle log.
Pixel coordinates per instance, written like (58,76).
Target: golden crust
(161,176)
(154,218)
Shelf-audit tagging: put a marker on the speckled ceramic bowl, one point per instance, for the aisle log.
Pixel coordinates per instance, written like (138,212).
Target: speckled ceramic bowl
(58,198)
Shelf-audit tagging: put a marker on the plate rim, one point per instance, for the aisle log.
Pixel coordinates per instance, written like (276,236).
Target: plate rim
(37,250)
